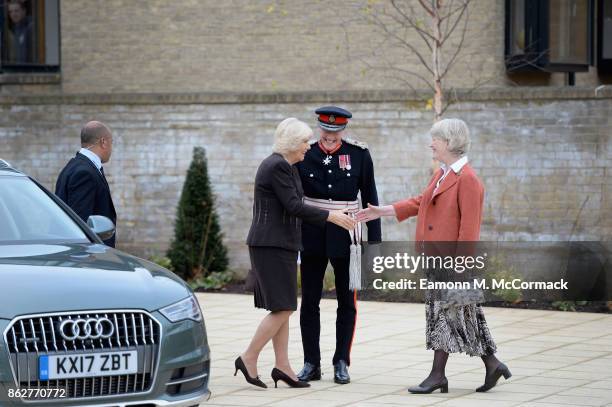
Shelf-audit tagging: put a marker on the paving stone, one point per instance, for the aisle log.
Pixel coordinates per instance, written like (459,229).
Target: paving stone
(381,377)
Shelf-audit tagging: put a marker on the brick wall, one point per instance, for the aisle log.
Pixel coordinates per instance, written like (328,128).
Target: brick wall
(544,155)
(120,46)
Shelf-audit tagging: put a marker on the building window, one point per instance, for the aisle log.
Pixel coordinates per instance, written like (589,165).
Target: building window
(29,35)
(569,32)
(604,38)
(549,35)
(517,30)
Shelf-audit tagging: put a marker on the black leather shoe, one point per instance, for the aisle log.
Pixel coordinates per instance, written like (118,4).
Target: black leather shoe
(442,385)
(239,365)
(491,380)
(278,374)
(341,375)
(309,372)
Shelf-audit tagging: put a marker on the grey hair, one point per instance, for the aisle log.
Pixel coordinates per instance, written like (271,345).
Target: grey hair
(92,132)
(289,134)
(455,132)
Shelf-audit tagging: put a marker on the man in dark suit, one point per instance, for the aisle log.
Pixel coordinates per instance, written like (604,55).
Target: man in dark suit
(334,171)
(82,184)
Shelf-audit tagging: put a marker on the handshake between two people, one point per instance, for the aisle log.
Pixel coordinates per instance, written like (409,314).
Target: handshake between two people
(348,219)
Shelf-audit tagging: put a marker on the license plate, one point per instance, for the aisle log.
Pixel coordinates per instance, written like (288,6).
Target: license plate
(87,365)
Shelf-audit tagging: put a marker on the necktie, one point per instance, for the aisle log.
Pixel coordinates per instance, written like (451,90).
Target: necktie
(103,176)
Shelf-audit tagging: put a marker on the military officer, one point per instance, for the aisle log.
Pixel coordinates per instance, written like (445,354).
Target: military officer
(333,172)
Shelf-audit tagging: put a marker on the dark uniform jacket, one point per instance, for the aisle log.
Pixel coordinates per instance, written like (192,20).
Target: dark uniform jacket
(330,182)
(278,209)
(82,187)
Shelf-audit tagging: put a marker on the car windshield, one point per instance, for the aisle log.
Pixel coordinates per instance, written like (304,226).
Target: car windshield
(29,215)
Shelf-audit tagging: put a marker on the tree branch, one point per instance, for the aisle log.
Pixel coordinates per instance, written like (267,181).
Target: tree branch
(448,34)
(444,20)
(427,9)
(464,4)
(402,41)
(422,33)
(458,49)
(452,98)
(408,72)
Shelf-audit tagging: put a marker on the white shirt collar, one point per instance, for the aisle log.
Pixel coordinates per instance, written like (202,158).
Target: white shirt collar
(93,157)
(456,166)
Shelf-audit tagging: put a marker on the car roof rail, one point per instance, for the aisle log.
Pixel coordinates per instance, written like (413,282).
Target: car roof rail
(5,164)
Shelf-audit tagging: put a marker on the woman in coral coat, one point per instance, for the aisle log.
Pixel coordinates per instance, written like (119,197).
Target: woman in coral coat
(449,210)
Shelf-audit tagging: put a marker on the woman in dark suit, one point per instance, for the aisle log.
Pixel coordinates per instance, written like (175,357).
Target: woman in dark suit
(449,210)
(274,241)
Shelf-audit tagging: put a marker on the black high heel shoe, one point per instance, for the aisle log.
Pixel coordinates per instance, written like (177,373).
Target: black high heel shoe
(278,374)
(239,365)
(442,385)
(491,380)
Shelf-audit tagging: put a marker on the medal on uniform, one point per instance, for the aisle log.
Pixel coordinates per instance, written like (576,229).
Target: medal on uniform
(345,162)
(328,153)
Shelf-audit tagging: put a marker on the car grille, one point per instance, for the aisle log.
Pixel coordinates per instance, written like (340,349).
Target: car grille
(28,337)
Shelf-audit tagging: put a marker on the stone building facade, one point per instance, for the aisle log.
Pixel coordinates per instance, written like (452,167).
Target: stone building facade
(223,74)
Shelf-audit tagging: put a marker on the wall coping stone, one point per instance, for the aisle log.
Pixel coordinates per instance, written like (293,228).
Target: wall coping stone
(365,96)
(30,78)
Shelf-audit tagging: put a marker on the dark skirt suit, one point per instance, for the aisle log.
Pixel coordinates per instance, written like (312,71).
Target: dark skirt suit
(275,236)
(452,213)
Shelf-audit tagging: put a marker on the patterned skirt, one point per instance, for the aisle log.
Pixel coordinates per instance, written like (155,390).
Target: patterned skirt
(455,329)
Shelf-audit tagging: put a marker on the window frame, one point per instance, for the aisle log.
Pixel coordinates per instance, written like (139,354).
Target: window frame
(537,28)
(604,65)
(27,68)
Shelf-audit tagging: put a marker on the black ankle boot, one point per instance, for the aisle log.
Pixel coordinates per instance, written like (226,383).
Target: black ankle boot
(442,385)
(491,379)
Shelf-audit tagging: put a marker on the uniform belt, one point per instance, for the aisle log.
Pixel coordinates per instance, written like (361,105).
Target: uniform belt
(330,205)
(355,234)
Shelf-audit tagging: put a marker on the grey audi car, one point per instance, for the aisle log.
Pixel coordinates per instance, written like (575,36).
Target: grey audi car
(83,324)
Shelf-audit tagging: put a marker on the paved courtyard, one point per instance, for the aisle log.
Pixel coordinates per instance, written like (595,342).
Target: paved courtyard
(556,358)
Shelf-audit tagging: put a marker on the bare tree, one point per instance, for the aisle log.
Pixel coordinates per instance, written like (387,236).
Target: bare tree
(440,27)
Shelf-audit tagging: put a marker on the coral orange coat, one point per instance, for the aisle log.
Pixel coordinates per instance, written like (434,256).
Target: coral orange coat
(452,213)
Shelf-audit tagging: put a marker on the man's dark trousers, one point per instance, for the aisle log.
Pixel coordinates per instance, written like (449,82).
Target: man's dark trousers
(312,274)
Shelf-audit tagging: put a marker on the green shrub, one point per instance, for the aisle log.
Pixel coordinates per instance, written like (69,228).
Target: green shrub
(214,281)
(162,261)
(197,249)
(329,280)
(497,269)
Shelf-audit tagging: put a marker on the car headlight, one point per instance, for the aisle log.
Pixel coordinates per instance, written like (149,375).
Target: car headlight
(184,309)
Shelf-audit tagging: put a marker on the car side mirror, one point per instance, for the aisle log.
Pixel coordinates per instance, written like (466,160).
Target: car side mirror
(101,226)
